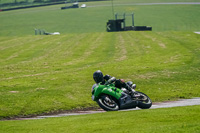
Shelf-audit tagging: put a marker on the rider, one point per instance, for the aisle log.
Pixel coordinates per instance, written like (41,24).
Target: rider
(119,83)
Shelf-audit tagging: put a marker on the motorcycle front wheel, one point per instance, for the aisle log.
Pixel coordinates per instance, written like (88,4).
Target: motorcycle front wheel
(108,103)
(144,102)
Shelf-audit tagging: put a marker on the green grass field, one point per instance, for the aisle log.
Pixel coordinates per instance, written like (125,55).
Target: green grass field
(51,73)
(93,19)
(44,74)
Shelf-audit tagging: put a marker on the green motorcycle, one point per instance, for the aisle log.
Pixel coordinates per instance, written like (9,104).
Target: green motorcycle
(111,98)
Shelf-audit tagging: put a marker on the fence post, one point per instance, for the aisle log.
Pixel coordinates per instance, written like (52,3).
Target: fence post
(132,19)
(35,31)
(124,20)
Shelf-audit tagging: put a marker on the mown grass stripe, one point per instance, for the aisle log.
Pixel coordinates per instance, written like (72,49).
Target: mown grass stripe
(61,67)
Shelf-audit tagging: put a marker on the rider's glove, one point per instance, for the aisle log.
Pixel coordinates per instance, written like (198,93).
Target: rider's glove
(111,80)
(107,77)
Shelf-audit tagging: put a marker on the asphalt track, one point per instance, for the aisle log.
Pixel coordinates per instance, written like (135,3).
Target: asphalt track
(163,3)
(168,104)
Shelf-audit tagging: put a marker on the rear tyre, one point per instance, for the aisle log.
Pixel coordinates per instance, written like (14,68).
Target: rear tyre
(108,103)
(144,102)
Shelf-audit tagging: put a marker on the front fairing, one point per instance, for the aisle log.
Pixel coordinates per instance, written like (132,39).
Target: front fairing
(106,89)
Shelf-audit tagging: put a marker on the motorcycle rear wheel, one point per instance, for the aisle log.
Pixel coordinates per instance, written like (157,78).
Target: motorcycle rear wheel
(144,102)
(108,103)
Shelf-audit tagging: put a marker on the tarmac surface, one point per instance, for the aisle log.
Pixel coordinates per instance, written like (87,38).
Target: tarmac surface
(168,104)
(160,3)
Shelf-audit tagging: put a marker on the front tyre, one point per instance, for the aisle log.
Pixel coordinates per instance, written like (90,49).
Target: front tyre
(144,102)
(108,103)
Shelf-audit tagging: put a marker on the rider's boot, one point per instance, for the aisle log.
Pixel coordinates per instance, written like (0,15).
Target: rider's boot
(133,86)
(132,94)
(131,91)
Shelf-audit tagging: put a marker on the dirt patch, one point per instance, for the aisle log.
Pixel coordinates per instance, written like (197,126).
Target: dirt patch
(162,45)
(14,91)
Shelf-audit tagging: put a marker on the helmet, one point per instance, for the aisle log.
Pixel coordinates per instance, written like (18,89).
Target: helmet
(98,76)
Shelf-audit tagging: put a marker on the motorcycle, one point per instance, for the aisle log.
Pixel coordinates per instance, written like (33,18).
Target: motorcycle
(111,98)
